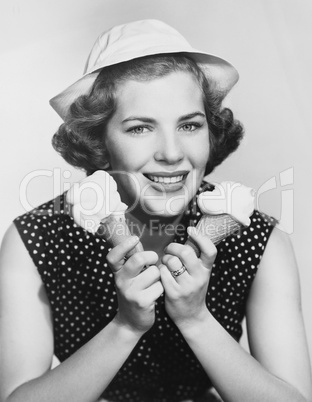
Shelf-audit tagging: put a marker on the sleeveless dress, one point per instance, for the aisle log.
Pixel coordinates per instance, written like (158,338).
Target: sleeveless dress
(80,287)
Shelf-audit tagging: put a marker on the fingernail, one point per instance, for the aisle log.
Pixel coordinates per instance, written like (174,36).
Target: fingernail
(191,230)
(134,239)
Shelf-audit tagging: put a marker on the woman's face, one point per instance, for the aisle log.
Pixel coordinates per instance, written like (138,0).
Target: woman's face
(158,143)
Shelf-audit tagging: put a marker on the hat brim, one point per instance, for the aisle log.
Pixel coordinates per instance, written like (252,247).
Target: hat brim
(218,71)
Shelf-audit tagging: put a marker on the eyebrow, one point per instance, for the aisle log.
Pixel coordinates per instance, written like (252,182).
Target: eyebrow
(150,120)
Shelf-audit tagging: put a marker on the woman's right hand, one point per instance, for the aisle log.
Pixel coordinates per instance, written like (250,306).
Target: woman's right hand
(137,289)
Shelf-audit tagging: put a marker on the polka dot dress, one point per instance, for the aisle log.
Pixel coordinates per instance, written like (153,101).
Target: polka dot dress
(80,287)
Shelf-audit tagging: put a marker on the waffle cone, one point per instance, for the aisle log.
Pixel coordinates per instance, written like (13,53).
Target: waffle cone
(115,230)
(216,227)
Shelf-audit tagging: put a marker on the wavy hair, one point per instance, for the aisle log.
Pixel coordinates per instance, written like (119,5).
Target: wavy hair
(79,140)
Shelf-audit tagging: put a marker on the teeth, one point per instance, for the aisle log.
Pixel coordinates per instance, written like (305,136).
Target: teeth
(166,180)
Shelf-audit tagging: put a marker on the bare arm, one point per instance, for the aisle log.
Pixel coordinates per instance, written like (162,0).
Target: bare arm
(279,370)
(27,339)
(275,324)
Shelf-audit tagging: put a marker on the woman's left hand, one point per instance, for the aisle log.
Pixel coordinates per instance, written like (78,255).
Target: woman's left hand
(185,294)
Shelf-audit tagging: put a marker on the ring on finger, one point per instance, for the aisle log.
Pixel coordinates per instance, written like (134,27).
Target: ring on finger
(178,272)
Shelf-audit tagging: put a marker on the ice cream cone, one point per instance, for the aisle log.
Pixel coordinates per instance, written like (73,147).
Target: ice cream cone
(226,210)
(216,227)
(115,230)
(97,207)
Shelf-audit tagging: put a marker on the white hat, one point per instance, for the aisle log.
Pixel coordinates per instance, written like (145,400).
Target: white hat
(138,39)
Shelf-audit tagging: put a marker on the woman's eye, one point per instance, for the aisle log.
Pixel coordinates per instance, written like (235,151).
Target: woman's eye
(190,126)
(138,130)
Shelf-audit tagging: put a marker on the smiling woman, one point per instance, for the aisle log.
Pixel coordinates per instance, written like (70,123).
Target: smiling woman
(166,101)
(146,123)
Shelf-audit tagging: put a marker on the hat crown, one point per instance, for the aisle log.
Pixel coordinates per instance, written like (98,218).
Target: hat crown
(133,39)
(139,39)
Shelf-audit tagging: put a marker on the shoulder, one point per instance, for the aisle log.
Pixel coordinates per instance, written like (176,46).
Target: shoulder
(54,208)
(13,253)
(277,276)
(256,236)
(245,249)
(260,228)
(17,269)
(45,220)
(44,227)
(279,246)
(279,257)
(11,241)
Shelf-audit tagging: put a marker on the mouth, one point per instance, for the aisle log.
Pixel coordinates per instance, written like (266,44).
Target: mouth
(173,181)
(167,178)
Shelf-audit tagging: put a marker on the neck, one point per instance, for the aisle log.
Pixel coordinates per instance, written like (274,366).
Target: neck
(155,232)
(154,225)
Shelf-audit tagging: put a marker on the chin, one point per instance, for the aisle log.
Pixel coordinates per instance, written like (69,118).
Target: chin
(166,208)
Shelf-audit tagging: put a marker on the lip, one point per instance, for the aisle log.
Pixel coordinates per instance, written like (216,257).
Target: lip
(168,174)
(168,187)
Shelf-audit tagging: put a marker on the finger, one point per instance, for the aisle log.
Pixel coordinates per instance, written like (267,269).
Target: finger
(208,250)
(172,262)
(137,262)
(153,292)
(175,265)
(169,283)
(116,257)
(147,278)
(186,255)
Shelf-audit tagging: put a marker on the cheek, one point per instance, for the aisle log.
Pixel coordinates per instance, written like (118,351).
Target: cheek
(129,154)
(199,154)
(117,159)
(118,155)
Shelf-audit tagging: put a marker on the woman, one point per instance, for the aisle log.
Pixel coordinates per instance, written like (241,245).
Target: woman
(149,108)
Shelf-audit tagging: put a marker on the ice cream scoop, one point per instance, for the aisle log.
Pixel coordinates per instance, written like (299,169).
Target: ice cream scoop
(226,210)
(97,207)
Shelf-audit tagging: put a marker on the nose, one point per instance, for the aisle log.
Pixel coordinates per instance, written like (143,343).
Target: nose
(169,148)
